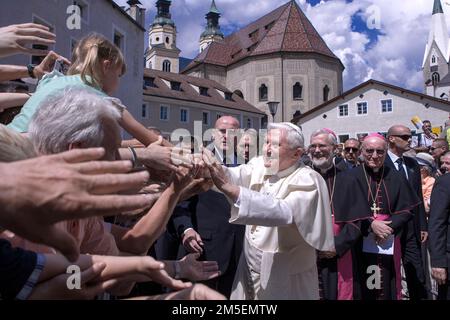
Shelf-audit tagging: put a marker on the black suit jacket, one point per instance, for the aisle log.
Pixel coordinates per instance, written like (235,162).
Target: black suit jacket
(420,220)
(439,223)
(208,213)
(412,255)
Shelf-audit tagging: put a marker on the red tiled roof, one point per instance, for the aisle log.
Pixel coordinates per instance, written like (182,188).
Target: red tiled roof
(188,93)
(285,29)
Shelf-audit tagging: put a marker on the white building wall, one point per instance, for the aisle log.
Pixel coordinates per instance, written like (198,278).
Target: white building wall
(404,105)
(195,111)
(102,18)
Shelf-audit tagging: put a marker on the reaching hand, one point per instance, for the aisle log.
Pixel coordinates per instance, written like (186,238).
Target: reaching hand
(181,179)
(37,193)
(154,188)
(56,288)
(195,187)
(192,241)
(154,270)
(15,38)
(196,292)
(195,270)
(215,169)
(157,156)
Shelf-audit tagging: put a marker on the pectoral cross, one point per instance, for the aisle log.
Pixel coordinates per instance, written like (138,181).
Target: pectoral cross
(375,209)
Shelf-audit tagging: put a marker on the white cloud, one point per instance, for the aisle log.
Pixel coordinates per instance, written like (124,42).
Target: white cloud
(395,57)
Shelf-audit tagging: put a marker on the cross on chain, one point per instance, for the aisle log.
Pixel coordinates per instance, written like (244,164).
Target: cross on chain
(375,209)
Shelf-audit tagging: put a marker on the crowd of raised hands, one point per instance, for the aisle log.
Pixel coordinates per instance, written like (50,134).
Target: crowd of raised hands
(38,193)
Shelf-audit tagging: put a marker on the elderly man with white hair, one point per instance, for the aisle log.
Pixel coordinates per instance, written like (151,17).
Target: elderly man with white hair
(350,211)
(285,207)
(76,118)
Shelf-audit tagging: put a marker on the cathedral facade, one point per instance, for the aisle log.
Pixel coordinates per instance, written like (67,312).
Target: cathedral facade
(280,57)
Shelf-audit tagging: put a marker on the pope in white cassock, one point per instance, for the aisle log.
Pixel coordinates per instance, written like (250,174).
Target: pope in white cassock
(286,208)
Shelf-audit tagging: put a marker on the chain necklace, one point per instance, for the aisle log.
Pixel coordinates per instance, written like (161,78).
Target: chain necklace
(332,188)
(374,207)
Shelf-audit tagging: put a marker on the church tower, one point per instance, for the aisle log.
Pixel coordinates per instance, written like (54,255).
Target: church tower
(437,52)
(212,31)
(162,52)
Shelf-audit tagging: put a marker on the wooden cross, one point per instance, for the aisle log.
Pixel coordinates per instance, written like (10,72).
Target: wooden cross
(375,209)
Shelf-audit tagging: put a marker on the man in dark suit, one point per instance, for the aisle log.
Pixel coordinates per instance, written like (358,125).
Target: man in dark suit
(399,138)
(203,226)
(439,226)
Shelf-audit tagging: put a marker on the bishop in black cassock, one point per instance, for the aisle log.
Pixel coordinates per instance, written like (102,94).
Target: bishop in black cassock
(391,200)
(349,209)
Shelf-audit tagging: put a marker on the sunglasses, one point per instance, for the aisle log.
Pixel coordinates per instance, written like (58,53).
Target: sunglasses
(378,151)
(404,137)
(348,149)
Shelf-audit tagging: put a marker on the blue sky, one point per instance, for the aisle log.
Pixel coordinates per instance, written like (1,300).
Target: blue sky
(379,39)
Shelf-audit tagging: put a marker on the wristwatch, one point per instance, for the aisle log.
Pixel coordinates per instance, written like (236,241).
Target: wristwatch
(30,68)
(134,158)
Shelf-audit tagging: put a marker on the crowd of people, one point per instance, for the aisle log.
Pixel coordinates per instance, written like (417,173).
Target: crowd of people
(147,219)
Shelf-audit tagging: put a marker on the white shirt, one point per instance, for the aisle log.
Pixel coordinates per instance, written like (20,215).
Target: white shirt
(394,159)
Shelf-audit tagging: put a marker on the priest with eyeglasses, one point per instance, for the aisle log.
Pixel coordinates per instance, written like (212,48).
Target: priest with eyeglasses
(391,201)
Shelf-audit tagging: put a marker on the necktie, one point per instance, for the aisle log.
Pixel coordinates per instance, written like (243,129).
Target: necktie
(400,168)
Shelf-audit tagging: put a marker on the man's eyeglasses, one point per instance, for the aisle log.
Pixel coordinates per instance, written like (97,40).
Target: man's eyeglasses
(348,149)
(378,151)
(404,137)
(320,146)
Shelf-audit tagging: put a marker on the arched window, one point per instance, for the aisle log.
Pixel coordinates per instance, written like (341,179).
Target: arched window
(435,78)
(239,93)
(263,92)
(166,66)
(167,40)
(297,90)
(326,92)
(433,59)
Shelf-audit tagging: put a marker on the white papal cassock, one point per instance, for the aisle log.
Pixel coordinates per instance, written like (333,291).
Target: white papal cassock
(288,218)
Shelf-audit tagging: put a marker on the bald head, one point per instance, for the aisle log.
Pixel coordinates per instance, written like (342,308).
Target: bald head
(379,142)
(399,138)
(225,137)
(398,130)
(227,121)
(374,151)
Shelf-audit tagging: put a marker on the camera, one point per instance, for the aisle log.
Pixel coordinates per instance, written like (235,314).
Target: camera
(60,66)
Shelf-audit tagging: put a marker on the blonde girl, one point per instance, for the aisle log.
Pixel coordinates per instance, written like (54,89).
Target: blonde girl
(97,65)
